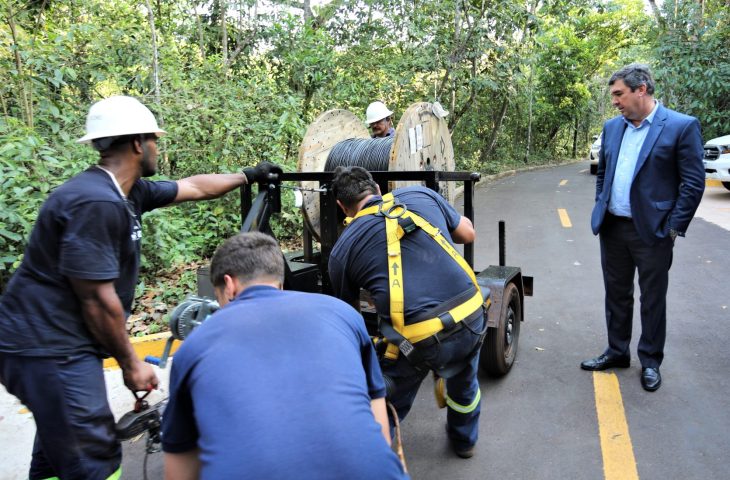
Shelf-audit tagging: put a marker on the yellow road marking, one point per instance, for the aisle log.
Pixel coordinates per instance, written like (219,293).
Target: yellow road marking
(618,453)
(563,182)
(713,183)
(564,218)
(147,345)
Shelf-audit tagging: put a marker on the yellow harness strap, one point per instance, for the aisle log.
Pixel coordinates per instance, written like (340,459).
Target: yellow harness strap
(392,210)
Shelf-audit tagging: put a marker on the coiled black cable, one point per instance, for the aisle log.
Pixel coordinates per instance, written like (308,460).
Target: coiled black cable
(372,154)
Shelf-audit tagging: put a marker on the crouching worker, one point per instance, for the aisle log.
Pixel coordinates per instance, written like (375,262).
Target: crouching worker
(399,248)
(276,384)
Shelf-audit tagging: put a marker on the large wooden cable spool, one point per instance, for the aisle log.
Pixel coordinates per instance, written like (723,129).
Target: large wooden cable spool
(422,142)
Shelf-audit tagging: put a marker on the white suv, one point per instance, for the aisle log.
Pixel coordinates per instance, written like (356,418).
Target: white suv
(717,160)
(593,156)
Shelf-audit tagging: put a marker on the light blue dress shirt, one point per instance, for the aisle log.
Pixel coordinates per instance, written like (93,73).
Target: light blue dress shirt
(620,204)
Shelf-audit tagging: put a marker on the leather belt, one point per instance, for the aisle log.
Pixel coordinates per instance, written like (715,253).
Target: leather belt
(619,218)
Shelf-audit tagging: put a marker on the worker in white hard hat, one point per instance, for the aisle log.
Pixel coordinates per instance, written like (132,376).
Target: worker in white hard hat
(65,308)
(379,120)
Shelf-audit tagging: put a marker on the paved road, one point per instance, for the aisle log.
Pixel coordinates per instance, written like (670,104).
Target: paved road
(540,421)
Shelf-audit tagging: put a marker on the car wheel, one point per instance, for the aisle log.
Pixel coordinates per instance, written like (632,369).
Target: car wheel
(594,169)
(726,185)
(500,347)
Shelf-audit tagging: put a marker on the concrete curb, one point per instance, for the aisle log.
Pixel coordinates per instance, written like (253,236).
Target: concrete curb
(147,345)
(508,173)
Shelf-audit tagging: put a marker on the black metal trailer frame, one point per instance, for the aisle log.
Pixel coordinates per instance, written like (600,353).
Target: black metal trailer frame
(308,270)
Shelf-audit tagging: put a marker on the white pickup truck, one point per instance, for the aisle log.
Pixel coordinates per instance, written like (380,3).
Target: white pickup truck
(717,160)
(593,155)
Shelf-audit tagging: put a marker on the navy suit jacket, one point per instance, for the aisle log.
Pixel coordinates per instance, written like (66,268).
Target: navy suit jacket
(669,178)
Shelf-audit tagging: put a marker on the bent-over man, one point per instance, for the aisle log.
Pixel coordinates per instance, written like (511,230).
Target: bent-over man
(276,384)
(418,286)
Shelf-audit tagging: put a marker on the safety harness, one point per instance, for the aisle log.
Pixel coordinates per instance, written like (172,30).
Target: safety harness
(401,337)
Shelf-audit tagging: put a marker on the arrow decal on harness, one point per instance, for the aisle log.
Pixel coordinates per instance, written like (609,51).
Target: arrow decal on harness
(395,268)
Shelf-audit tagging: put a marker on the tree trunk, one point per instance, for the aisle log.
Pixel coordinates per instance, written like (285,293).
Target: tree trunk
(490,144)
(308,14)
(526,35)
(657,14)
(458,114)
(529,118)
(6,113)
(575,136)
(224,32)
(165,167)
(26,104)
(201,40)
(551,136)
(452,57)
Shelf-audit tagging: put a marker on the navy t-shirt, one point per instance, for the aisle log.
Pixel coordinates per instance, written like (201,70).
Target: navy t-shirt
(359,258)
(277,385)
(86,230)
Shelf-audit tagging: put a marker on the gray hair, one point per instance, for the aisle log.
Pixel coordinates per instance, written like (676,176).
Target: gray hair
(634,76)
(248,257)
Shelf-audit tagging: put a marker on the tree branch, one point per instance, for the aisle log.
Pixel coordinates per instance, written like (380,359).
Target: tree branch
(657,14)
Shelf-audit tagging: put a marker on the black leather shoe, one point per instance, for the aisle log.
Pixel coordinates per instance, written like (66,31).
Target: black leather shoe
(651,379)
(602,362)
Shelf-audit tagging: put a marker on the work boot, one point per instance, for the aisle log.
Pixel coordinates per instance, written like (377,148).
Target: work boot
(460,451)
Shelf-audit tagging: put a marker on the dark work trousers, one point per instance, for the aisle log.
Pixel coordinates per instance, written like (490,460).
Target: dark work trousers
(622,254)
(462,384)
(75,437)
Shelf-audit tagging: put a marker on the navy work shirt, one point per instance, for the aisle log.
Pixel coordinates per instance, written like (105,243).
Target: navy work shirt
(430,276)
(85,230)
(278,384)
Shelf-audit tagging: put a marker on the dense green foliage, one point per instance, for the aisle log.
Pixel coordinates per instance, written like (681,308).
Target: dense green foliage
(238,81)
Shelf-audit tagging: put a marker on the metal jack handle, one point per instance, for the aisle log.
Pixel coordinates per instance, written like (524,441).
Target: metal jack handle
(162,360)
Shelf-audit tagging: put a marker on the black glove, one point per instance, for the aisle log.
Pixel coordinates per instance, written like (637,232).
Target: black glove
(260,173)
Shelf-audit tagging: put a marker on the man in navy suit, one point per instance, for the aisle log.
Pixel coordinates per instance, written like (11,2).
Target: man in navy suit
(650,182)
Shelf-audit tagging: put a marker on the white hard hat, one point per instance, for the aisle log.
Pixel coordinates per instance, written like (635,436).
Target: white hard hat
(119,115)
(376,111)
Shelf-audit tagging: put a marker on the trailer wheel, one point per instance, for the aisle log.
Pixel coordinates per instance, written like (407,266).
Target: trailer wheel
(500,347)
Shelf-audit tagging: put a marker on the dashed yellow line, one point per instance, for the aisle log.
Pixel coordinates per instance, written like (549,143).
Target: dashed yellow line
(564,218)
(618,453)
(563,183)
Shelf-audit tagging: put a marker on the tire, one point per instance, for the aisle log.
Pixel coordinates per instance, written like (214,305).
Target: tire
(726,185)
(594,169)
(500,347)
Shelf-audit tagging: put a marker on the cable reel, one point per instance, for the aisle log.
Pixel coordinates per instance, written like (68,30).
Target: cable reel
(422,142)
